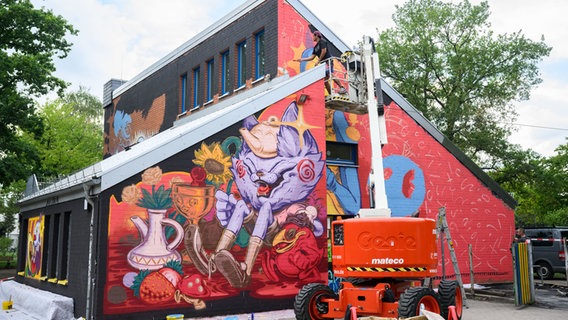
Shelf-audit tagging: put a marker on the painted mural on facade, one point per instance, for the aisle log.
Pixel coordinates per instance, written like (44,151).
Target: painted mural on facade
(422,176)
(295,41)
(34,252)
(247,215)
(129,126)
(343,182)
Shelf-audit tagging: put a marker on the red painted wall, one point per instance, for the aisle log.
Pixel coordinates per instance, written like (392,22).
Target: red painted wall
(421,175)
(475,216)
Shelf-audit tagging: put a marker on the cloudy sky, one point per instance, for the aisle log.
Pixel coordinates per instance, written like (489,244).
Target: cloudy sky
(120,38)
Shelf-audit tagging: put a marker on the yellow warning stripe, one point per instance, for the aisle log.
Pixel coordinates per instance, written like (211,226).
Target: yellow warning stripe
(374,269)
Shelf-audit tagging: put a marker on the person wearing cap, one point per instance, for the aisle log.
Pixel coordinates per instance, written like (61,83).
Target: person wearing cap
(320,51)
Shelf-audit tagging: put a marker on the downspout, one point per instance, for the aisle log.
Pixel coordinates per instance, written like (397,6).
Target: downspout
(89,198)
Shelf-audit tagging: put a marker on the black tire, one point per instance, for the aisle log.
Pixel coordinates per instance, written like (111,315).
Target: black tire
(411,300)
(544,271)
(308,305)
(389,296)
(450,295)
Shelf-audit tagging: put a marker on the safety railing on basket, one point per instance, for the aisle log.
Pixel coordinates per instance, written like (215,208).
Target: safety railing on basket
(336,76)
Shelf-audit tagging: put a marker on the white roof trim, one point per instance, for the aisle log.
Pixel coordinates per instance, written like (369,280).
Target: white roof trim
(165,144)
(177,138)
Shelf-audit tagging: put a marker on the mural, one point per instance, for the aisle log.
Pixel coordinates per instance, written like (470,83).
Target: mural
(127,128)
(35,247)
(247,215)
(343,189)
(422,176)
(404,184)
(296,41)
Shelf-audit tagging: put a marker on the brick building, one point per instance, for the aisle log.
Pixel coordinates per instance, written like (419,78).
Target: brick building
(223,168)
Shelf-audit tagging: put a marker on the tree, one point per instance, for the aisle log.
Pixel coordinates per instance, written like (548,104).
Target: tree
(9,206)
(29,41)
(447,62)
(540,185)
(73,134)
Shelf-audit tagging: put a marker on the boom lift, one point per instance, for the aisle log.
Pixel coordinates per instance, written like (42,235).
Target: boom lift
(384,261)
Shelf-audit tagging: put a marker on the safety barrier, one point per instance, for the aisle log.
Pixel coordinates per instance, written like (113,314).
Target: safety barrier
(565,247)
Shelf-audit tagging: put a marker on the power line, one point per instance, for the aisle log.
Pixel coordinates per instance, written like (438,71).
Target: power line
(511,123)
(535,126)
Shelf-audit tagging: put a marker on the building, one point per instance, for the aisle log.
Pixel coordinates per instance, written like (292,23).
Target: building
(223,169)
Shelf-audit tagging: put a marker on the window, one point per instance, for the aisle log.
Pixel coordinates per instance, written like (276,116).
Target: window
(210,79)
(66,237)
(183,93)
(46,245)
(540,234)
(341,153)
(241,63)
(54,252)
(259,55)
(196,88)
(48,237)
(225,67)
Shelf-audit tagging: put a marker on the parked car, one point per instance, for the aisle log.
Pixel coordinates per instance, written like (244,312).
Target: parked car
(548,250)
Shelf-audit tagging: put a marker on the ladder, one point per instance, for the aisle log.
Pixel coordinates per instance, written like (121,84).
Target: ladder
(443,229)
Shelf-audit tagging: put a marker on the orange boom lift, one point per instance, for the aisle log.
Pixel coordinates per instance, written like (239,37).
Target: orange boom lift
(385,262)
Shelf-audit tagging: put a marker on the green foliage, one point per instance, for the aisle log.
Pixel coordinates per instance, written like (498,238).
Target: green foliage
(447,62)
(539,184)
(9,196)
(29,41)
(73,134)
(557,217)
(157,199)
(5,245)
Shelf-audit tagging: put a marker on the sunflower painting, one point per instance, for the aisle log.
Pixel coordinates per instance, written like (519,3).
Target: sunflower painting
(215,162)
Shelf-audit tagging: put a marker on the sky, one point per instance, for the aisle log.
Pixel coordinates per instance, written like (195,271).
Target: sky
(118,39)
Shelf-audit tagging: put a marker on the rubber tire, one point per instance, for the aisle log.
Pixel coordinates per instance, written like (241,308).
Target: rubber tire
(450,295)
(410,301)
(306,303)
(544,266)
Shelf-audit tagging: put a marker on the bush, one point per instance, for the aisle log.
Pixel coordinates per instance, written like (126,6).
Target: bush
(6,246)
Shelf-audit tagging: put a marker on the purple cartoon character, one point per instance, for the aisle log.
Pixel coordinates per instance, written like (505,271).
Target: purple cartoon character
(278,166)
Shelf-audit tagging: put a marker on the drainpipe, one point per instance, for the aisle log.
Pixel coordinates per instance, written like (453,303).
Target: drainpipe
(90,207)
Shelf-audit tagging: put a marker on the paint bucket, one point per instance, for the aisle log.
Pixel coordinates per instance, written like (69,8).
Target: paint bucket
(174,317)
(7,305)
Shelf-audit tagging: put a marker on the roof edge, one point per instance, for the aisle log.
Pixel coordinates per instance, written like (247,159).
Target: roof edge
(449,145)
(189,44)
(319,25)
(184,135)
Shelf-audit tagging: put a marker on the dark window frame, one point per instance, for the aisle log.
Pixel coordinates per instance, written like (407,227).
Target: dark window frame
(183,92)
(210,79)
(241,63)
(260,55)
(196,88)
(341,154)
(225,71)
